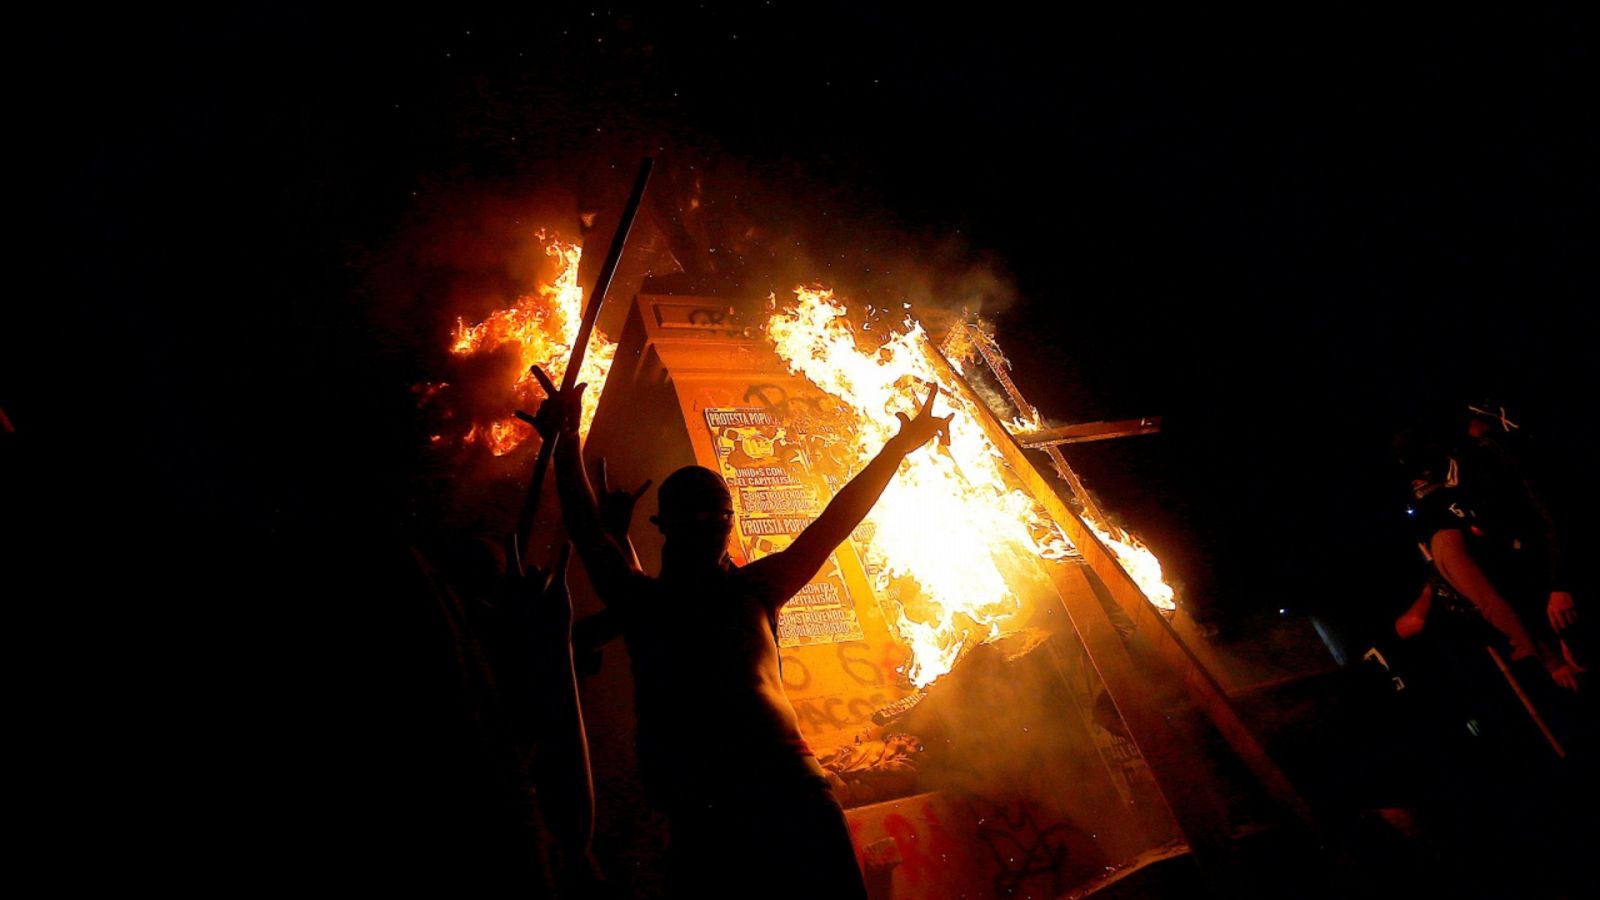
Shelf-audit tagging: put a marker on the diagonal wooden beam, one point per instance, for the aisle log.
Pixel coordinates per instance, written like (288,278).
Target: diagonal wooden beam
(1089,431)
(1174,763)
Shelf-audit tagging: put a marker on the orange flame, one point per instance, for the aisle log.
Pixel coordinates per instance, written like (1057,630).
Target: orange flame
(1134,557)
(544,326)
(948,586)
(1138,561)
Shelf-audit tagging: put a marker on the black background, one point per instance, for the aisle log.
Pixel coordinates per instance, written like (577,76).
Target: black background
(1287,234)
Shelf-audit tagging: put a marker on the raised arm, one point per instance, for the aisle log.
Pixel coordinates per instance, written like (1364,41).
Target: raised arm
(784,573)
(608,564)
(1500,466)
(1455,562)
(1414,619)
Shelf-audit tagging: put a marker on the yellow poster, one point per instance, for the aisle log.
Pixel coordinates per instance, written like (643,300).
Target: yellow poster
(776,494)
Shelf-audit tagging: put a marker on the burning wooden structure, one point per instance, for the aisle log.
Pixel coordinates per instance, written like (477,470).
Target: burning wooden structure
(1003,726)
(988,666)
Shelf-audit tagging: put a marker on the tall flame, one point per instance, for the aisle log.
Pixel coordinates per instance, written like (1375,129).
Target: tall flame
(949,523)
(544,326)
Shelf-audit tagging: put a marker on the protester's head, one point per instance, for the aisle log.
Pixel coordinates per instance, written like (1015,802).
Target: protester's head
(696,512)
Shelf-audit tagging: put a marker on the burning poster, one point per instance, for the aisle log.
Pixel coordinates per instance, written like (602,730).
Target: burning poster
(776,494)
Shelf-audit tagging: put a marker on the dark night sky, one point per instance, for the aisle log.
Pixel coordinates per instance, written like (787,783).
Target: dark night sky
(1287,236)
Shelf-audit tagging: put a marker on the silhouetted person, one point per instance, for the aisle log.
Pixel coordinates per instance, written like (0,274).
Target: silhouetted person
(720,750)
(1502,792)
(1538,568)
(515,636)
(1470,554)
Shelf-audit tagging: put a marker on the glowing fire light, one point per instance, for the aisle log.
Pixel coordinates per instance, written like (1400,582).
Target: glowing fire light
(1137,560)
(544,326)
(950,522)
(945,529)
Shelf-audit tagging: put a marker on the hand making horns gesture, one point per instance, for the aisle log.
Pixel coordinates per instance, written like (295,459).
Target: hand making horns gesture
(540,594)
(916,432)
(616,506)
(561,410)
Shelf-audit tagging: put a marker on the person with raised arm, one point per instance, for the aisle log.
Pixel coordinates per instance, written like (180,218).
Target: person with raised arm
(756,815)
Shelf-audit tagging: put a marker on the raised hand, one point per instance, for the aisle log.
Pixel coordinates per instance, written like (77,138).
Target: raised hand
(1563,612)
(542,594)
(616,506)
(916,432)
(561,410)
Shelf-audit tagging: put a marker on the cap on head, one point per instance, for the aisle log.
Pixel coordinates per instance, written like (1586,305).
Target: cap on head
(1490,415)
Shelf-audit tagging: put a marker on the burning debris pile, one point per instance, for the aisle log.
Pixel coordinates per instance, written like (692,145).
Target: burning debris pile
(873,770)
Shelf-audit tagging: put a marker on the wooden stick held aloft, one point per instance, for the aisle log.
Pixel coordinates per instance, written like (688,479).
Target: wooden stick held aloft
(591,312)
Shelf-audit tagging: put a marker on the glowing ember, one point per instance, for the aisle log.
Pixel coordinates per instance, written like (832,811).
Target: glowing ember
(543,325)
(949,524)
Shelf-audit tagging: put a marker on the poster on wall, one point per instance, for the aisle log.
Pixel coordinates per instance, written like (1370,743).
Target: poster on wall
(776,494)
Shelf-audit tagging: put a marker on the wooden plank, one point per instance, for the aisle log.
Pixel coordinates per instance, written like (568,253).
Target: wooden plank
(1178,768)
(1089,431)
